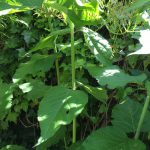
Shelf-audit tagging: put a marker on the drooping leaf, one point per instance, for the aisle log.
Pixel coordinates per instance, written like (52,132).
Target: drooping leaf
(48,42)
(99,93)
(110,138)
(34,89)
(144,40)
(37,64)
(99,46)
(85,14)
(63,46)
(127,114)
(13,6)
(59,107)
(13,147)
(81,15)
(5,99)
(113,76)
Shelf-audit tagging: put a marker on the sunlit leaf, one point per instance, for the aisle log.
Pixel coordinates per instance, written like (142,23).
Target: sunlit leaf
(144,40)
(6,96)
(53,140)
(34,89)
(59,107)
(113,76)
(37,64)
(98,45)
(13,6)
(80,15)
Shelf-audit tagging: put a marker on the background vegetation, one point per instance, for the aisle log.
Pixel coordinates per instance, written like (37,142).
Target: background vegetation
(74,75)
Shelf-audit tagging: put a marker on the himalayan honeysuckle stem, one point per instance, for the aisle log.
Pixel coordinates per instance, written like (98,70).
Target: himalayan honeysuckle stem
(142,117)
(73,75)
(57,65)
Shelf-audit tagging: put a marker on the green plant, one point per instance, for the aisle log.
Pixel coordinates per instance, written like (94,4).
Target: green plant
(73,74)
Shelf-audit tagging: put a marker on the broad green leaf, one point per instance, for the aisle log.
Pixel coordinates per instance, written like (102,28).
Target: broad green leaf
(99,93)
(80,15)
(99,46)
(85,14)
(13,147)
(126,116)
(38,63)
(138,4)
(144,40)
(59,107)
(53,140)
(110,138)
(6,96)
(113,76)
(13,6)
(34,89)
(48,42)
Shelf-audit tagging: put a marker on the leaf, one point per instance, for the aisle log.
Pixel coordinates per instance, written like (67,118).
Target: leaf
(85,14)
(13,6)
(64,47)
(5,99)
(138,4)
(13,147)
(53,140)
(99,46)
(12,117)
(126,116)
(48,42)
(144,40)
(38,63)
(110,138)
(113,76)
(34,89)
(59,107)
(80,15)
(99,93)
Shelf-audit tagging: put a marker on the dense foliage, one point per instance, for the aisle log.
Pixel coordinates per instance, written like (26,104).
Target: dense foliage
(74,75)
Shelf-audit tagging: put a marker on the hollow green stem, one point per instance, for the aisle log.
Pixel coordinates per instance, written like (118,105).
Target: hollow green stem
(74,131)
(72,56)
(57,71)
(57,65)
(142,117)
(73,75)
